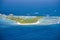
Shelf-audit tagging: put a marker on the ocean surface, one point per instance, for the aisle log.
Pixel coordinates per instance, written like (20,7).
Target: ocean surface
(50,32)
(28,32)
(31,32)
(28,8)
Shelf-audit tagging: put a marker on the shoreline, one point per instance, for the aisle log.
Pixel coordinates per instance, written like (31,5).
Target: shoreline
(33,20)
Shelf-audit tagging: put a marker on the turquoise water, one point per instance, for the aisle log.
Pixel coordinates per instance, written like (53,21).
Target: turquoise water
(24,7)
(5,21)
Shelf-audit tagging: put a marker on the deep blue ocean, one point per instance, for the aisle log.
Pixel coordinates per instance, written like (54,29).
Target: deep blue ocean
(29,7)
(50,32)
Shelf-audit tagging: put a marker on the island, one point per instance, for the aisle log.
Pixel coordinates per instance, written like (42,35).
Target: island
(32,20)
(25,19)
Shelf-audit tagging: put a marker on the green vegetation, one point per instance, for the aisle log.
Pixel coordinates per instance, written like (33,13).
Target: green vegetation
(28,20)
